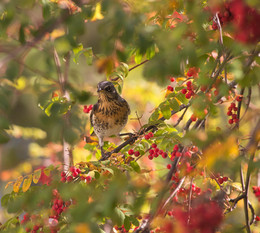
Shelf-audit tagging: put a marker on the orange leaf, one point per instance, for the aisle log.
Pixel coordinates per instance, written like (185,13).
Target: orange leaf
(37,175)
(17,184)
(27,183)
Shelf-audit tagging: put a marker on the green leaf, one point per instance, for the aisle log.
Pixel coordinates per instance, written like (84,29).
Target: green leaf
(109,170)
(88,53)
(138,57)
(5,199)
(135,166)
(166,111)
(174,105)
(118,216)
(181,97)
(127,223)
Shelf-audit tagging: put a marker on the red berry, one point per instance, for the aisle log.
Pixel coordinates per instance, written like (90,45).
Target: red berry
(184,91)
(69,178)
(176,147)
(170,88)
(236,120)
(234,116)
(154,145)
(75,174)
(63,179)
(156,155)
(150,134)
(160,152)
(147,136)
(189,84)
(131,152)
(150,157)
(156,150)
(187,154)
(239,98)
(63,174)
(193,117)
(220,180)
(27,229)
(232,105)
(188,95)
(36,227)
(165,155)
(230,121)
(178,154)
(257,218)
(169,166)
(229,113)
(151,151)
(72,169)
(85,109)
(88,178)
(172,79)
(137,153)
(225,178)
(235,109)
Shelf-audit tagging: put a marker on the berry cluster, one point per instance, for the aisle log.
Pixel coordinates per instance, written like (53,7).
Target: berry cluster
(243,17)
(58,205)
(224,16)
(73,174)
(232,114)
(121,229)
(169,87)
(33,223)
(204,217)
(189,91)
(154,152)
(135,153)
(148,136)
(256,191)
(87,109)
(220,179)
(193,72)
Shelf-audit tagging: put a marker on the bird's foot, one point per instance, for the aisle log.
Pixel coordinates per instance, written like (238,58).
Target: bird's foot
(105,155)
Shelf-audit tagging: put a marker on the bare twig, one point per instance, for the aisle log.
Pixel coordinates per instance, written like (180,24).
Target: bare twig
(138,65)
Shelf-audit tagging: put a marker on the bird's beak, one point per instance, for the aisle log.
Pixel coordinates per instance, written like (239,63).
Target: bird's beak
(99,89)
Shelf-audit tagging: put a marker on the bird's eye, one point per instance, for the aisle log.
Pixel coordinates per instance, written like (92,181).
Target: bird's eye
(109,89)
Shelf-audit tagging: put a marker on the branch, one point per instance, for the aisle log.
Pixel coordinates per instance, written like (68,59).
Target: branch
(67,153)
(141,132)
(138,65)
(251,148)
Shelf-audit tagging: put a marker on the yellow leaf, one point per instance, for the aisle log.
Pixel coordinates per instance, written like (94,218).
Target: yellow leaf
(97,14)
(37,175)
(8,184)
(219,150)
(27,183)
(17,184)
(47,171)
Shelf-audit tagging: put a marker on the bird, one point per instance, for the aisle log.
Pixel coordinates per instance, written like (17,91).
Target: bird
(110,114)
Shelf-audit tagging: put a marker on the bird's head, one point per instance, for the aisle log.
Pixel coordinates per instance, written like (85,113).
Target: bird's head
(106,90)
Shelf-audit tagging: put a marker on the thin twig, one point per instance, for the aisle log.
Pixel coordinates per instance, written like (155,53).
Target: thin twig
(138,65)
(181,117)
(189,204)
(239,108)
